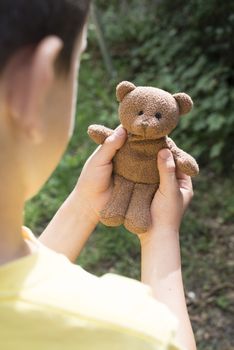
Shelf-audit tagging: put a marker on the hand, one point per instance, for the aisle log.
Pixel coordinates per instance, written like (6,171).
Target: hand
(95,184)
(173,196)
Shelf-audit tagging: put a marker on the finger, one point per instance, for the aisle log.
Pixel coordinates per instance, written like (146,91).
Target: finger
(186,187)
(180,174)
(167,174)
(112,144)
(184,180)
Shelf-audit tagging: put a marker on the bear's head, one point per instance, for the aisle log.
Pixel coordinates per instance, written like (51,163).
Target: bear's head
(148,112)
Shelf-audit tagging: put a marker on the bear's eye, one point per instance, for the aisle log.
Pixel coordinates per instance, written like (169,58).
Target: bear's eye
(158,115)
(140,113)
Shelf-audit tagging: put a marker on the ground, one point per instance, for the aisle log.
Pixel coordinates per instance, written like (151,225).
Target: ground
(209,285)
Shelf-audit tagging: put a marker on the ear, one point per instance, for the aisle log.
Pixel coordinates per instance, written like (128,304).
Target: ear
(29,77)
(184,101)
(123,89)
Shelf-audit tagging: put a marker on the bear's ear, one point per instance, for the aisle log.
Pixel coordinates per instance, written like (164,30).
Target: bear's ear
(184,101)
(123,89)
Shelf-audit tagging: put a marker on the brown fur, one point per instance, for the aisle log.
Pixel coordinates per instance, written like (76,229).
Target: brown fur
(149,115)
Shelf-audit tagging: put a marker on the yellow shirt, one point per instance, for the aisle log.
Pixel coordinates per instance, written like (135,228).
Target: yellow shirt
(48,303)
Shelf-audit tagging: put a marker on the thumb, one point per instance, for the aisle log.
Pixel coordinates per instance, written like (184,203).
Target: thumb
(112,144)
(166,167)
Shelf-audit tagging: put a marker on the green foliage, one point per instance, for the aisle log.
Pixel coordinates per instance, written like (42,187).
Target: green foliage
(112,250)
(223,302)
(146,58)
(181,45)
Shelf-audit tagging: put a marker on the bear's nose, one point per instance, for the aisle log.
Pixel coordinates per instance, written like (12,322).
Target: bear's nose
(145,124)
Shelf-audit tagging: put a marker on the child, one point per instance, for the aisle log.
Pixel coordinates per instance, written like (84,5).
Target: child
(46,302)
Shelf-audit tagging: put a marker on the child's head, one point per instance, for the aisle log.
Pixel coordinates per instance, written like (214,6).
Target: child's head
(41,42)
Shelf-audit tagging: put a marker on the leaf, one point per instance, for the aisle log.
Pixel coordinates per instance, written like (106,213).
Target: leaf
(215,122)
(216,149)
(223,302)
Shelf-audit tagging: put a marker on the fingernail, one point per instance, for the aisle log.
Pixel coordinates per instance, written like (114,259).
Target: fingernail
(120,131)
(165,154)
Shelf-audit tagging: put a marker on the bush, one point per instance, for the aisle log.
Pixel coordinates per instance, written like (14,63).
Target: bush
(179,46)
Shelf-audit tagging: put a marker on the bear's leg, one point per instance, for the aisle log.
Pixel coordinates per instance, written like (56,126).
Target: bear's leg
(137,219)
(114,212)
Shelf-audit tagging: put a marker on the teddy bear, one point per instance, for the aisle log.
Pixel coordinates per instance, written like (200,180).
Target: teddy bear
(148,114)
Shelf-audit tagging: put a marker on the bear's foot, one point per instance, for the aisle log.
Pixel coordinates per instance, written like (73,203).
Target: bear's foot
(114,212)
(112,221)
(130,226)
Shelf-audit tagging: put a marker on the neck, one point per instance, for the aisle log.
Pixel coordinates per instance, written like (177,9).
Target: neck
(12,244)
(140,138)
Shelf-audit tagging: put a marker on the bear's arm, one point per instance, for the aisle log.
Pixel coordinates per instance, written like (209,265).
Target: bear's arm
(98,133)
(186,163)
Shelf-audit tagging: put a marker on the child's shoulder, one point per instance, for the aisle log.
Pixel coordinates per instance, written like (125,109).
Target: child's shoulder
(113,300)
(50,290)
